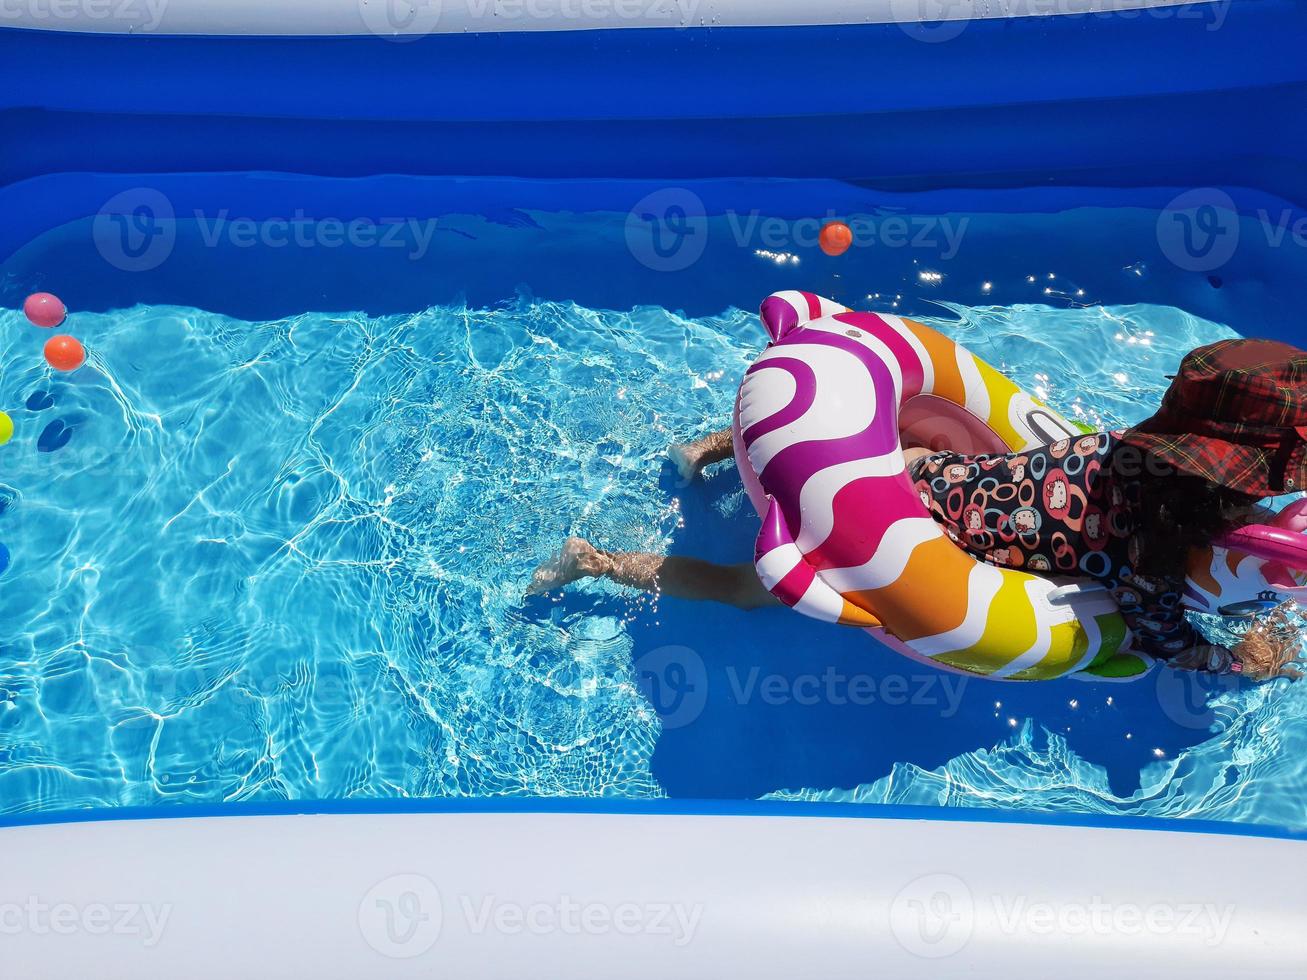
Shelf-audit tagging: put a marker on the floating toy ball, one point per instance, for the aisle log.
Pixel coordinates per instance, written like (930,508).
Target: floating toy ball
(835,238)
(6,428)
(64,353)
(45,309)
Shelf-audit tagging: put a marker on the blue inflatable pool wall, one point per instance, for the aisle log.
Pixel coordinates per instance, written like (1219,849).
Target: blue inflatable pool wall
(1051,126)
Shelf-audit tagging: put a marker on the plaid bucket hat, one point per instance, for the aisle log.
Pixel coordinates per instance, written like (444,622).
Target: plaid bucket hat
(1235,414)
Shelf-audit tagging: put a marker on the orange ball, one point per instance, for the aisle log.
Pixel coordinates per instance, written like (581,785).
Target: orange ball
(835,238)
(64,353)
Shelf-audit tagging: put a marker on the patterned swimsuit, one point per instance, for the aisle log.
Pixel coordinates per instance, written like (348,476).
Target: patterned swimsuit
(1064,509)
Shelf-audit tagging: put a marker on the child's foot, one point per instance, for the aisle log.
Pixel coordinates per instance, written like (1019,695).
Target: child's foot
(578,559)
(688,459)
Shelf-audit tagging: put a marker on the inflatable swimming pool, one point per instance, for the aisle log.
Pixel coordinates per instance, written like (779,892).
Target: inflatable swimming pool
(176,172)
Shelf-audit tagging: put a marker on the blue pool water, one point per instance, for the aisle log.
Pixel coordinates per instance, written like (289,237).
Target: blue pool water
(286,559)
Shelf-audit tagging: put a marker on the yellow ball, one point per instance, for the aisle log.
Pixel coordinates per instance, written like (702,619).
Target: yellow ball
(6,428)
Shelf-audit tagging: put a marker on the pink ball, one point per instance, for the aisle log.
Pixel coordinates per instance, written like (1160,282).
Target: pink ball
(45,309)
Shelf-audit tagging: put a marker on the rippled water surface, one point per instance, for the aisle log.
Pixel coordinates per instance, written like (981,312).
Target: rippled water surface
(286,559)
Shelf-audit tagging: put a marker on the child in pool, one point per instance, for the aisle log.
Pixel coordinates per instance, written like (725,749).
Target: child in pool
(1121,508)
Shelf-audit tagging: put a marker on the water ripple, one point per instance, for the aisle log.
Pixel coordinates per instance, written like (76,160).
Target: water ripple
(286,559)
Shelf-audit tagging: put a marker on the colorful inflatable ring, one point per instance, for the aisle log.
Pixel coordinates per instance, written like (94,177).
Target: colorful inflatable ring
(820,421)
(845,536)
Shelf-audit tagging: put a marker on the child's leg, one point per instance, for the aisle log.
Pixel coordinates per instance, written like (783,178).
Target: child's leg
(691,457)
(684,578)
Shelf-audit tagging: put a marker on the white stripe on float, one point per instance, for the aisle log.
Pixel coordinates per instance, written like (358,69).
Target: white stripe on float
(829,307)
(776,564)
(973,384)
(821,602)
(1096,603)
(763,393)
(796,302)
(844,404)
(1094,638)
(882,353)
(927,365)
